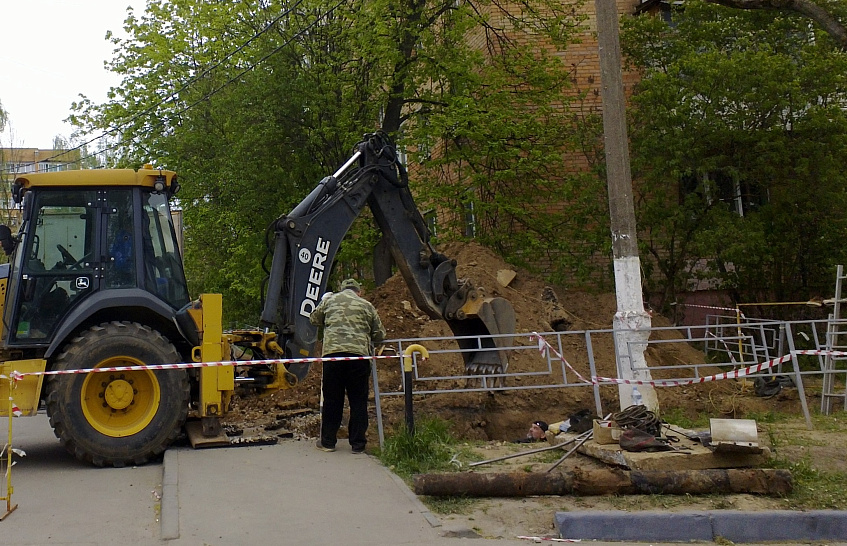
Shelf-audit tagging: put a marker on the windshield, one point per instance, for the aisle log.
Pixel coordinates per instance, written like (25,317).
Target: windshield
(163,270)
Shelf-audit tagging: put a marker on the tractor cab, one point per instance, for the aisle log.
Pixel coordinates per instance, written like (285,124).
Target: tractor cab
(93,245)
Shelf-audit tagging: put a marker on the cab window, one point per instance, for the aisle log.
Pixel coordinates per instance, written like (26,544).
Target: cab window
(164,275)
(57,261)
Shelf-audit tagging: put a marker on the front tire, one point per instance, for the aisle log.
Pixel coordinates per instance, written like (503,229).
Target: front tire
(117,418)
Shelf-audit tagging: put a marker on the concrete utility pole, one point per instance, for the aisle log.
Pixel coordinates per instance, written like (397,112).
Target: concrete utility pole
(631,322)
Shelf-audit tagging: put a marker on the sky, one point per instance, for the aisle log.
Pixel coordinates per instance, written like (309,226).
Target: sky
(51,51)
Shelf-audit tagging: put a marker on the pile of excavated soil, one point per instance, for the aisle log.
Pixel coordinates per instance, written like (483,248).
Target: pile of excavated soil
(539,307)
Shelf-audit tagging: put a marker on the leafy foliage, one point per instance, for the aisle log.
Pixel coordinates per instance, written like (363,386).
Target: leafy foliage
(738,108)
(252,104)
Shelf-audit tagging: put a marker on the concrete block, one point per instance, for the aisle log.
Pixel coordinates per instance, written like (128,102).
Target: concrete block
(635,526)
(779,525)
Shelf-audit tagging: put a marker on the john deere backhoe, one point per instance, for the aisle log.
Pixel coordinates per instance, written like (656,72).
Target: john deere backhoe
(96,280)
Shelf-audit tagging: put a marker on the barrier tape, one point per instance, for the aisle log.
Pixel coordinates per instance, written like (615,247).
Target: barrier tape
(544,347)
(726,347)
(16,376)
(733,309)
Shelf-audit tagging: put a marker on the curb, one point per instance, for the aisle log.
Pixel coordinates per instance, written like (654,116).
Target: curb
(430,518)
(709,525)
(169,522)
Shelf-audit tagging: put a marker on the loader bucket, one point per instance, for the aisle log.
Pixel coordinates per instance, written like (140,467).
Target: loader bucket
(483,318)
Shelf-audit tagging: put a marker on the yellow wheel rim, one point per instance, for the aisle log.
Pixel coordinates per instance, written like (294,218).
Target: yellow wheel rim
(120,404)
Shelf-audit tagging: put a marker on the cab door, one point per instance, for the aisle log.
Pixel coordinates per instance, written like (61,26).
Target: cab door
(58,264)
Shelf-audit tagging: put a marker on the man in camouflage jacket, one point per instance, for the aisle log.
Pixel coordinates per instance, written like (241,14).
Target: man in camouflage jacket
(351,326)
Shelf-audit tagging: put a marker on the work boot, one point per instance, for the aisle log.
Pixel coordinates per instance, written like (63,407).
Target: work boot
(320,447)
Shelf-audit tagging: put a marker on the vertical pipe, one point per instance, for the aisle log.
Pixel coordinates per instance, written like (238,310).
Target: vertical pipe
(9,490)
(407,382)
(798,378)
(377,403)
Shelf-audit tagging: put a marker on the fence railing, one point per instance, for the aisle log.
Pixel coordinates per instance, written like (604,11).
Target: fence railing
(589,359)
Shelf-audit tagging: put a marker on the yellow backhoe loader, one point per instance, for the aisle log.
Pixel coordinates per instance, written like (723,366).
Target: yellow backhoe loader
(96,280)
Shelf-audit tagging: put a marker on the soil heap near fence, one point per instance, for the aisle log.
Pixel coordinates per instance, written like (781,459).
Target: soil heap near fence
(539,307)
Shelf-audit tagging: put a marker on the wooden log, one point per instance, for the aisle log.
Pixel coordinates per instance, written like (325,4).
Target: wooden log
(759,481)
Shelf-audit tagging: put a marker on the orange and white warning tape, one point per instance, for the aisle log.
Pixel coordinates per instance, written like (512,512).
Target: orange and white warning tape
(544,347)
(726,347)
(16,376)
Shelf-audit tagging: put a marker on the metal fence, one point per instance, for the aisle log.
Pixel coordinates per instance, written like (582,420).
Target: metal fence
(726,345)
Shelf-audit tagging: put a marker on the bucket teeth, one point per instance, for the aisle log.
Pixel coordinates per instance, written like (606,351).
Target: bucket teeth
(483,369)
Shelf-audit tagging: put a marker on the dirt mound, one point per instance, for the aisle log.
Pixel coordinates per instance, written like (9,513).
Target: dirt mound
(539,307)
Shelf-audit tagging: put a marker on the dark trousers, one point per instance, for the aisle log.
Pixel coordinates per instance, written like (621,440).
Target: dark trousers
(350,376)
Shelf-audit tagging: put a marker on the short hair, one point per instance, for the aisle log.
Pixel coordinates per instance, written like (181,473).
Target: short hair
(541,424)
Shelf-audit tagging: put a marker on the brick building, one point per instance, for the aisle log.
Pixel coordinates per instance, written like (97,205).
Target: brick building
(15,161)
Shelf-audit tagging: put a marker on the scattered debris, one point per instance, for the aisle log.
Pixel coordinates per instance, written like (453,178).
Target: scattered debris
(505,277)
(253,441)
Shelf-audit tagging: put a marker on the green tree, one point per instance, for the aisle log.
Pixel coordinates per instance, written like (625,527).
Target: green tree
(738,144)
(254,104)
(4,116)
(829,15)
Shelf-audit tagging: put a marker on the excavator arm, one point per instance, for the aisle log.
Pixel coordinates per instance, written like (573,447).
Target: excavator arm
(306,241)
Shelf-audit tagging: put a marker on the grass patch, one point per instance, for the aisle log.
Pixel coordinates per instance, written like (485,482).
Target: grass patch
(836,422)
(769,417)
(451,505)
(813,489)
(429,449)
(677,417)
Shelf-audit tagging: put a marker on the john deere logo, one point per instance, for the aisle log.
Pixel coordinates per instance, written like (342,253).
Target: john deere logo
(81,283)
(316,274)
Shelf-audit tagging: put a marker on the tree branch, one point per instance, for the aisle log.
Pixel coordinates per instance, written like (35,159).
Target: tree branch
(827,20)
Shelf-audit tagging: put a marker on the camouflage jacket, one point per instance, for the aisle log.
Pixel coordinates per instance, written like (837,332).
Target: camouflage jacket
(350,323)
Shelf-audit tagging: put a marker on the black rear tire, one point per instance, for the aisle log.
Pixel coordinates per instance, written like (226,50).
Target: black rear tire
(117,418)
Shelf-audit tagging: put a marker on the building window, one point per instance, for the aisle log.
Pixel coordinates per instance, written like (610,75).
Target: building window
(19,168)
(740,196)
(431,219)
(51,166)
(470,220)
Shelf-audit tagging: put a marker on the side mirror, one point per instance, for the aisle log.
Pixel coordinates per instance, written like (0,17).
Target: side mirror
(6,240)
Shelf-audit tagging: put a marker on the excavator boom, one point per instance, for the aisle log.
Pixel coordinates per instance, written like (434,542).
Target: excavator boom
(306,241)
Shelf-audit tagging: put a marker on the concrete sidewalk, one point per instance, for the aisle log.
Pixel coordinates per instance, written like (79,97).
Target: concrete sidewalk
(61,501)
(288,493)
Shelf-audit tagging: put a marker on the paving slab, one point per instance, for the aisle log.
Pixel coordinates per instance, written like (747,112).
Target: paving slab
(62,501)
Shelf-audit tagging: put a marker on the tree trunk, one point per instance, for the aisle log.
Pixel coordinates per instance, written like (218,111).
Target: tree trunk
(771,482)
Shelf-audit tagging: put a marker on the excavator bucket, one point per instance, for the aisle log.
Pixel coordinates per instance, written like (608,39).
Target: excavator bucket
(475,324)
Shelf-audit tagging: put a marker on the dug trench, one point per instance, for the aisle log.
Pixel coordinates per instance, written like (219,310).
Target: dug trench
(486,422)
